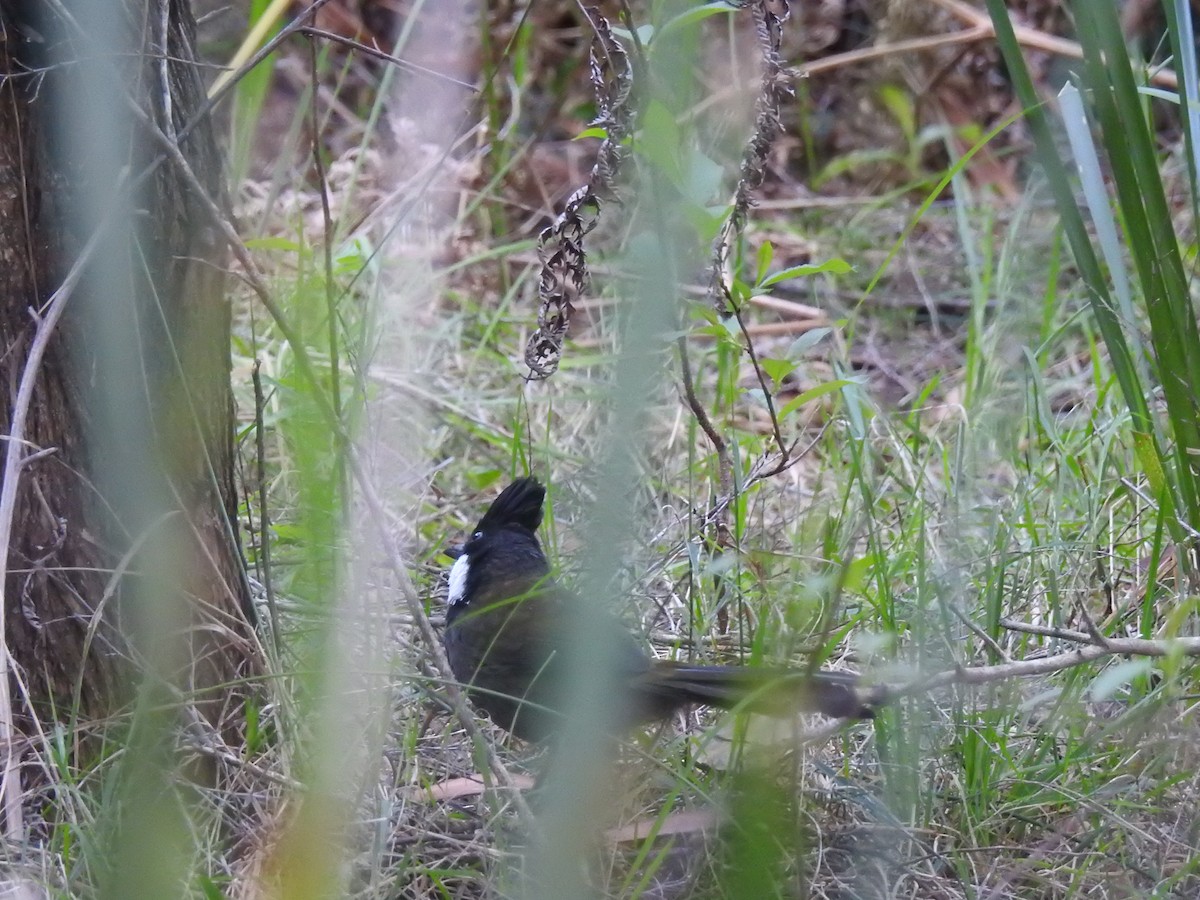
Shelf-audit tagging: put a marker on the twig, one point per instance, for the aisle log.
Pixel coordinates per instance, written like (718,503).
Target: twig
(264,515)
(979,633)
(760,472)
(366,49)
(1183,523)
(784,450)
(774,87)
(752,330)
(1097,638)
(40,454)
(979,28)
(881,51)
(230,77)
(724,463)
(1062,634)
(1045,665)
(1115,646)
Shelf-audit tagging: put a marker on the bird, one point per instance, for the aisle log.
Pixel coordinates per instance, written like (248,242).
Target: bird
(507,630)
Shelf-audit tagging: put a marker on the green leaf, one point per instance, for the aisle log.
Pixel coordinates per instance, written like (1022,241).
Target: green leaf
(704,178)
(659,141)
(694,15)
(706,221)
(1112,679)
(479,479)
(273,243)
(765,254)
(855,159)
(644,34)
(717,330)
(777,369)
(899,103)
(812,394)
(757,397)
(855,573)
(253,735)
(807,341)
(834,266)
(1146,449)
(740,291)
(724,328)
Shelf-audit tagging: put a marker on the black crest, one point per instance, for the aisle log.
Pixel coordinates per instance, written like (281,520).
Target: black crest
(518,504)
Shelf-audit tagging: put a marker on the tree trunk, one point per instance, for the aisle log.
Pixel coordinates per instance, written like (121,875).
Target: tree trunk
(76,555)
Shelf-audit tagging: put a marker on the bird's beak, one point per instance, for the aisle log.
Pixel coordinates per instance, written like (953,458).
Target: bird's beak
(454,551)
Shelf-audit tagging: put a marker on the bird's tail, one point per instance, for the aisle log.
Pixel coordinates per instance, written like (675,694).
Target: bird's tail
(667,686)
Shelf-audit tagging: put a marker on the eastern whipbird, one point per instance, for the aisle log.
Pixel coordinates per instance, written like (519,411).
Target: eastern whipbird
(507,630)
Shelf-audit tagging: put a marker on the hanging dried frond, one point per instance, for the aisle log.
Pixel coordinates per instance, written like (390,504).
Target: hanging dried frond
(564,274)
(776,87)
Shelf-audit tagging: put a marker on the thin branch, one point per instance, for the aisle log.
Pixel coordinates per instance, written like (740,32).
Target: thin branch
(375,52)
(979,28)
(784,450)
(264,515)
(1046,665)
(979,632)
(1149,501)
(724,462)
(1062,634)
(230,77)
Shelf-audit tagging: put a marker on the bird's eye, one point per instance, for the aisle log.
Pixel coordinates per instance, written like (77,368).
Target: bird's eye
(477,536)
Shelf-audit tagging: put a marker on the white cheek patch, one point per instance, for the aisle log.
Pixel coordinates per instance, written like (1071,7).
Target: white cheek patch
(458,581)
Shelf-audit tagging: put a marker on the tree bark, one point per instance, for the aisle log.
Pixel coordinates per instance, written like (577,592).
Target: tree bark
(78,540)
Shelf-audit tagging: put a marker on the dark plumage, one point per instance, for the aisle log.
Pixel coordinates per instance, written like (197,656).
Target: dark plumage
(506,630)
